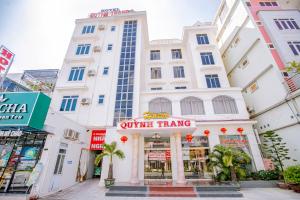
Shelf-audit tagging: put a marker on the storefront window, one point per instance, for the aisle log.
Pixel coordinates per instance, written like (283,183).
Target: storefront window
(195,157)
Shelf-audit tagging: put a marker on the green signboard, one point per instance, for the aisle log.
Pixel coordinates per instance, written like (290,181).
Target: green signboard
(21,109)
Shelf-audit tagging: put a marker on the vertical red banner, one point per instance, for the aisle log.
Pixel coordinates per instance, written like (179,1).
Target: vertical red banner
(168,154)
(97,139)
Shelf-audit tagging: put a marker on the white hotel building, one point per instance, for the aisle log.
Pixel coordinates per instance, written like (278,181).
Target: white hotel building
(112,74)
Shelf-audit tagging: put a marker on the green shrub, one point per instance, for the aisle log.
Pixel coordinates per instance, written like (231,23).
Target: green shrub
(266,175)
(292,174)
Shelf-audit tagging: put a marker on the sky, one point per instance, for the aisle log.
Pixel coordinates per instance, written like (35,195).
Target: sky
(39,31)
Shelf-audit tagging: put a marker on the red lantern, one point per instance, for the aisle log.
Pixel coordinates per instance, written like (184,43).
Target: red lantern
(206,132)
(240,130)
(189,137)
(223,130)
(124,138)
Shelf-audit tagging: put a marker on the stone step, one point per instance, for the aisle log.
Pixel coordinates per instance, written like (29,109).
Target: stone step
(231,194)
(172,194)
(218,188)
(126,193)
(171,189)
(127,188)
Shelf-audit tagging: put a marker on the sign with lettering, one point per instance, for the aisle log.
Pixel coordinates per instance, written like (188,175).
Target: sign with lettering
(97,139)
(6,58)
(11,133)
(151,115)
(23,109)
(109,13)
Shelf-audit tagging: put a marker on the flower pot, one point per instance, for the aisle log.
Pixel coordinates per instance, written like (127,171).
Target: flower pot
(283,185)
(109,182)
(296,188)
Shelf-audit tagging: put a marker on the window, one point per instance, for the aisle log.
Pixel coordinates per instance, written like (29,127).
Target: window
(176,54)
(83,49)
(286,24)
(295,47)
(101,99)
(223,12)
(60,161)
(178,72)
(105,70)
(112,28)
(88,29)
(68,103)
(155,72)
(192,106)
(155,55)
(180,87)
(268,3)
(156,88)
(207,58)
(212,81)
(76,74)
(159,105)
(109,47)
(224,105)
(202,39)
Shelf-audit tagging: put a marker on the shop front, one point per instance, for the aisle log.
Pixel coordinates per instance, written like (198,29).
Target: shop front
(22,139)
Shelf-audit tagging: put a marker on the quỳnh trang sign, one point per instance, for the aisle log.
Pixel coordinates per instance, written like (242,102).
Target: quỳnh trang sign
(23,109)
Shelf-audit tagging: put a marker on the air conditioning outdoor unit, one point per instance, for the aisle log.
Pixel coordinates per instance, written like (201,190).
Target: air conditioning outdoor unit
(91,72)
(97,49)
(101,27)
(71,134)
(85,101)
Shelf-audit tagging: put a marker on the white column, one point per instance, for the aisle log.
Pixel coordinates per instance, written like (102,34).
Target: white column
(180,168)
(258,161)
(135,154)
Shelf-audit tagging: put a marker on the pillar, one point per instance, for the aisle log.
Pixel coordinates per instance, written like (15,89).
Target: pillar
(135,155)
(180,168)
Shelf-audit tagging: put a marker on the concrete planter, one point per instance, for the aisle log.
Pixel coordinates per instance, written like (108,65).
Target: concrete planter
(258,184)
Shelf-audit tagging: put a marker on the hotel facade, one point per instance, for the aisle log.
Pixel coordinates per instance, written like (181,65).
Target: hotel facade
(166,103)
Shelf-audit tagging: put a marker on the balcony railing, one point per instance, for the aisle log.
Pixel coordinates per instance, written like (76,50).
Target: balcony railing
(293,83)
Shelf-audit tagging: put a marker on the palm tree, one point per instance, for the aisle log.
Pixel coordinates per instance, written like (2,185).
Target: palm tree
(228,163)
(110,150)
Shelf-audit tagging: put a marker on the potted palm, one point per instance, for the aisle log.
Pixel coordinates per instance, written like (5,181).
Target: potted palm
(228,163)
(109,150)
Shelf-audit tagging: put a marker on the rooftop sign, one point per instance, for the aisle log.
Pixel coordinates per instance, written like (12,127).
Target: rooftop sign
(108,13)
(21,109)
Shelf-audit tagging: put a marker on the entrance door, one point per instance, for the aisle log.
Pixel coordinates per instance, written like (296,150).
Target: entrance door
(157,158)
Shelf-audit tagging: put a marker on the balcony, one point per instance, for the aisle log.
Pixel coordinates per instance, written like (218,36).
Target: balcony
(293,83)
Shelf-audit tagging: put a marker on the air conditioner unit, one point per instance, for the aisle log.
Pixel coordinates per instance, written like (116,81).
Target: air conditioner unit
(97,49)
(71,134)
(85,101)
(101,27)
(75,135)
(91,72)
(250,109)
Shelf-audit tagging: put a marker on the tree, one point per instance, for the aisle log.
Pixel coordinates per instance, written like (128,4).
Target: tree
(228,163)
(110,150)
(293,67)
(275,149)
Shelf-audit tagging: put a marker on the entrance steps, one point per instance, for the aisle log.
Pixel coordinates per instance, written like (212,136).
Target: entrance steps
(231,191)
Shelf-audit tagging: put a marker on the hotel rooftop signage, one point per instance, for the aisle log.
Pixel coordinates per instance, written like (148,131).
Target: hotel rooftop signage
(23,109)
(109,13)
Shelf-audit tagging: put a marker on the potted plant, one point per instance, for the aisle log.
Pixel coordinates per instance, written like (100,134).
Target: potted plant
(109,150)
(227,163)
(292,177)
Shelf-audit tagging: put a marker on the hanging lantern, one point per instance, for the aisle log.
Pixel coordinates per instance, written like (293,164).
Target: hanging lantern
(189,137)
(223,130)
(240,130)
(206,132)
(124,138)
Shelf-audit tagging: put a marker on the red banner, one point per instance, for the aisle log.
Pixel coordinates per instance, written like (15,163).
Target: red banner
(6,58)
(97,139)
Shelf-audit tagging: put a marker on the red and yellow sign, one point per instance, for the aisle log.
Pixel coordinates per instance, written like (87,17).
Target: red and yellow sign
(6,58)
(109,13)
(97,139)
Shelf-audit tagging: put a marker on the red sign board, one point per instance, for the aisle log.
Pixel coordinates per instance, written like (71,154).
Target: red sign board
(97,139)
(6,58)
(109,13)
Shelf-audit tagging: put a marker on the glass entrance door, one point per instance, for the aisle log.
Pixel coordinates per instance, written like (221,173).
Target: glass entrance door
(157,158)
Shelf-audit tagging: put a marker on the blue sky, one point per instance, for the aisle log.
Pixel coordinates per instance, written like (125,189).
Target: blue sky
(39,31)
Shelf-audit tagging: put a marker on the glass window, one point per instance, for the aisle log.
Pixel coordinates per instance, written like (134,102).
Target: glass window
(112,28)
(76,74)
(109,47)
(68,103)
(178,72)
(105,70)
(88,29)
(192,106)
(101,99)
(159,105)
(156,88)
(295,47)
(224,105)
(286,24)
(155,73)
(83,49)
(212,81)
(176,54)
(202,39)
(180,87)
(207,58)
(60,161)
(155,55)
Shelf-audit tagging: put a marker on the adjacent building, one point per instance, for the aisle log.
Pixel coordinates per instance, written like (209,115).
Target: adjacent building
(166,103)
(257,40)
